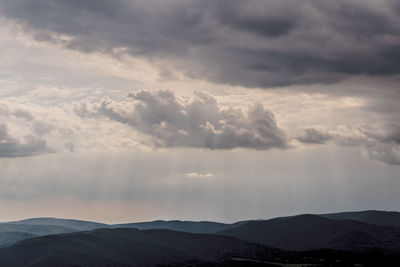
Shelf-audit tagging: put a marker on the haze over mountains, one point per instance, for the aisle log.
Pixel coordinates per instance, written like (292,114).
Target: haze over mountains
(52,241)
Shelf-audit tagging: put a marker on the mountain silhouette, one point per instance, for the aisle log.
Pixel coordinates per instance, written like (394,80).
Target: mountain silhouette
(382,218)
(12,237)
(309,232)
(203,227)
(35,229)
(69,223)
(370,238)
(128,247)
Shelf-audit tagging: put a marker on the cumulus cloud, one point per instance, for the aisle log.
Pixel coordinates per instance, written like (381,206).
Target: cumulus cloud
(383,152)
(255,43)
(199,122)
(12,147)
(19,113)
(315,135)
(384,143)
(379,142)
(28,129)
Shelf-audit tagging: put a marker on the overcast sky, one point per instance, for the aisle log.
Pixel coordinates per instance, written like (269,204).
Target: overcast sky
(219,110)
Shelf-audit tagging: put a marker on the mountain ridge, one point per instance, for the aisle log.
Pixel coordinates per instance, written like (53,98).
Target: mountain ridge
(308,232)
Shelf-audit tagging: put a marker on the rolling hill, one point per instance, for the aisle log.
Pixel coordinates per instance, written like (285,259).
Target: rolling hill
(13,237)
(202,227)
(334,230)
(129,247)
(301,239)
(310,232)
(35,229)
(382,218)
(69,223)
(182,226)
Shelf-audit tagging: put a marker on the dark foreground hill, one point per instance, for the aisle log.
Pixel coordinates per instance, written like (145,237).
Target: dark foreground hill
(129,247)
(310,232)
(316,240)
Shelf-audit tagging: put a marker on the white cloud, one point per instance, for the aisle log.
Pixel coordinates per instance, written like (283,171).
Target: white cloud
(199,175)
(196,122)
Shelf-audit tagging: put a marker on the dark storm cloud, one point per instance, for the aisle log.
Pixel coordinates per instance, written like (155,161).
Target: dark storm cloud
(263,20)
(255,43)
(11,147)
(200,122)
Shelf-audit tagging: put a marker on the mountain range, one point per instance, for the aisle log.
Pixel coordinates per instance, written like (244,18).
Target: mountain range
(369,238)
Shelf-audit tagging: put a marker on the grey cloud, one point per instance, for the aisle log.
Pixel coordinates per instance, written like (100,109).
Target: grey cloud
(22,120)
(42,128)
(314,136)
(200,122)
(255,43)
(19,113)
(383,152)
(7,111)
(11,147)
(385,144)
(255,17)
(388,133)
(270,27)
(70,147)
(379,142)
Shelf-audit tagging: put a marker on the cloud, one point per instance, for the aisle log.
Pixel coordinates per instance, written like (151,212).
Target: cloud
(254,43)
(19,113)
(199,175)
(30,129)
(384,143)
(314,136)
(42,128)
(11,147)
(383,152)
(380,142)
(198,122)
(201,122)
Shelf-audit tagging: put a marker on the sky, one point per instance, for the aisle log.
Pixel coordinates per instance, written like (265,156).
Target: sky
(223,110)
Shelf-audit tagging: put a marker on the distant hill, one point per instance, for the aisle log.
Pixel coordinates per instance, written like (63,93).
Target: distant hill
(202,227)
(45,226)
(13,237)
(35,229)
(382,218)
(69,223)
(299,240)
(182,226)
(310,232)
(129,247)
